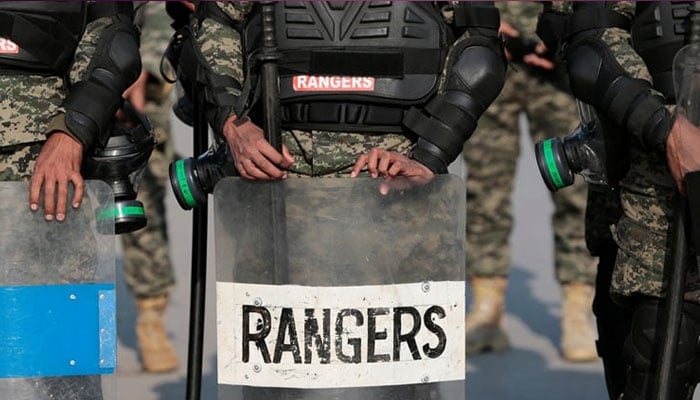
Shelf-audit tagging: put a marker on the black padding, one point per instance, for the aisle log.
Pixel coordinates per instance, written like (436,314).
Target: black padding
(115,65)
(598,79)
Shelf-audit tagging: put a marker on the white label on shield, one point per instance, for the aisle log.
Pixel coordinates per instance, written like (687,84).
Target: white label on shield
(328,337)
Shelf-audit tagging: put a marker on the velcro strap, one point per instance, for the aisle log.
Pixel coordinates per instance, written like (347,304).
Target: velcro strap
(54,49)
(432,130)
(596,18)
(100,9)
(90,108)
(621,95)
(450,114)
(389,63)
(343,113)
(469,16)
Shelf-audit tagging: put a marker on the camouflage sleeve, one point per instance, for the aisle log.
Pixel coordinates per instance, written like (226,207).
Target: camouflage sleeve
(221,49)
(155,35)
(105,64)
(620,45)
(83,55)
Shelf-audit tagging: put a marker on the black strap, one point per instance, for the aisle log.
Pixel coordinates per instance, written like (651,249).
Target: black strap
(468,16)
(102,9)
(374,62)
(596,18)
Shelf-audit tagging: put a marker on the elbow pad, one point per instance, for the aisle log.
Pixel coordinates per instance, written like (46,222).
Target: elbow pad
(597,79)
(92,103)
(473,80)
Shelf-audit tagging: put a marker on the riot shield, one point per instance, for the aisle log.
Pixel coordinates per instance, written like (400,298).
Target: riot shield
(361,295)
(57,299)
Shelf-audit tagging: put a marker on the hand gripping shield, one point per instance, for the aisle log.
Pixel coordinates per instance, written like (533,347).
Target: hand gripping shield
(339,292)
(57,299)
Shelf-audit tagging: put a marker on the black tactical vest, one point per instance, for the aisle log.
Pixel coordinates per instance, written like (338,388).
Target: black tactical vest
(355,65)
(659,30)
(40,36)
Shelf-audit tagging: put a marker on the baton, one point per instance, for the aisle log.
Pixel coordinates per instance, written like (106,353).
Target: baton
(673,308)
(271,125)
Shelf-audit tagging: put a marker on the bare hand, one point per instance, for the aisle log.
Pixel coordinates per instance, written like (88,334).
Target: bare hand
(683,150)
(254,157)
(57,164)
(390,165)
(536,59)
(136,93)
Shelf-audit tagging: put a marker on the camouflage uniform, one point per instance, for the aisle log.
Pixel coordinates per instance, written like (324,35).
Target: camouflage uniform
(29,107)
(148,270)
(491,156)
(315,153)
(647,195)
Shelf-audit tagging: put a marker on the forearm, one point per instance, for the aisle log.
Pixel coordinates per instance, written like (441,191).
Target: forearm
(221,53)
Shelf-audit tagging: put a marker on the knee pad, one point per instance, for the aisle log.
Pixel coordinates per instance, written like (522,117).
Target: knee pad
(642,347)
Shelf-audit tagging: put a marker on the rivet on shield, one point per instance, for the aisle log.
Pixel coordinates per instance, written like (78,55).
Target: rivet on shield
(72,297)
(425,379)
(257,368)
(258,301)
(425,286)
(103,362)
(102,297)
(72,363)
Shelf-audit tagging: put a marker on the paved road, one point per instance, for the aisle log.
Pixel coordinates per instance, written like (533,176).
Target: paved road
(531,370)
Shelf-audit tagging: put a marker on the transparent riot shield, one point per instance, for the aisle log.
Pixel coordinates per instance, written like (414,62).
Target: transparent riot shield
(327,289)
(57,299)
(686,75)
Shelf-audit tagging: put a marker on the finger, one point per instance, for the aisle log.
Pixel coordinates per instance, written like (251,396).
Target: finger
(372,161)
(35,191)
(395,169)
(270,169)
(359,164)
(79,186)
(49,199)
(288,156)
(384,165)
(61,199)
(253,172)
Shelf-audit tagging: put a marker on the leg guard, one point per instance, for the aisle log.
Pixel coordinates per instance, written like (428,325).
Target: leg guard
(642,346)
(614,324)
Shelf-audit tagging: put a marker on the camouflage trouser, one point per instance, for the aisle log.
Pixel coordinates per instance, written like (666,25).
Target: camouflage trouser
(648,197)
(491,156)
(148,269)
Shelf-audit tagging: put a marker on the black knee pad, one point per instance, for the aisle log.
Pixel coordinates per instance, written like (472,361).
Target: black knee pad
(642,346)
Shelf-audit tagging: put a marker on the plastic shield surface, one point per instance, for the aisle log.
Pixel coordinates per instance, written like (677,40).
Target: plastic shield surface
(686,75)
(327,289)
(57,299)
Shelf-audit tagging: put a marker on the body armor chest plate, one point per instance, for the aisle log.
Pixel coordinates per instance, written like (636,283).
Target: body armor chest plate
(351,55)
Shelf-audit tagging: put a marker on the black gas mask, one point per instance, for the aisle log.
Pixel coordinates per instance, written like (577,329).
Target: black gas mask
(121,164)
(192,179)
(586,151)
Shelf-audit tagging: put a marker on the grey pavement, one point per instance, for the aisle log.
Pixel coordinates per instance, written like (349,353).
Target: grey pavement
(532,369)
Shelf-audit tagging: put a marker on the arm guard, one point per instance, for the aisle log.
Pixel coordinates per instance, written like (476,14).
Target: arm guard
(210,74)
(598,79)
(474,76)
(92,102)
